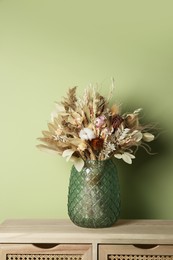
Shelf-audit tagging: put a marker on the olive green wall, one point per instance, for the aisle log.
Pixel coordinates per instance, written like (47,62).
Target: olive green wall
(47,46)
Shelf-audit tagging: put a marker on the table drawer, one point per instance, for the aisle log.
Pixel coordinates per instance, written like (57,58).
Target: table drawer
(45,252)
(135,252)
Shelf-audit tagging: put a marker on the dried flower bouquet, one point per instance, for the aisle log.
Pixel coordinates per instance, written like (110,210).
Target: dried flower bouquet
(88,128)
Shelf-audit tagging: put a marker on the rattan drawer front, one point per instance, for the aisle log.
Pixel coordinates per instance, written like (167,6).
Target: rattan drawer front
(45,252)
(135,252)
(138,257)
(43,257)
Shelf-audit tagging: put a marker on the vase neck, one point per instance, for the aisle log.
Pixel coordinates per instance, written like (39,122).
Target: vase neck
(97,163)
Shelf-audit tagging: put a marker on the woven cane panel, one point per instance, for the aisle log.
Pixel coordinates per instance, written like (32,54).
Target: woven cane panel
(140,257)
(43,257)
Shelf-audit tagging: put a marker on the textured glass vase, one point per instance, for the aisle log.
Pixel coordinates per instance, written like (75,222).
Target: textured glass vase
(94,195)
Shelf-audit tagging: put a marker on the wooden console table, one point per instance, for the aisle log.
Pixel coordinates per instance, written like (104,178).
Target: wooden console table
(62,240)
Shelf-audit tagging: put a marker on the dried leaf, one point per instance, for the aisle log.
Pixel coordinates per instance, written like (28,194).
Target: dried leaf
(78,163)
(47,134)
(147,137)
(47,149)
(51,127)
(67,154)
(85,113)
(57,121)
(137,111)
(118,156)
(70,100)
(137,136)
(127,157)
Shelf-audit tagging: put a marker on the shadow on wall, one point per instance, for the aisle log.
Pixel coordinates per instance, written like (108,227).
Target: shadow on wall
(141,182)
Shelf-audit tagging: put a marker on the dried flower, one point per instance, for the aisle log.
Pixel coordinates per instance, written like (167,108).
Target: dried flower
(116,121)
(88,129)
(97,144)
(86,134)
(100,121)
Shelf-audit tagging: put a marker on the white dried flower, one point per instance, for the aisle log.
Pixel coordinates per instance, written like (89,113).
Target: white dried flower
(86,134)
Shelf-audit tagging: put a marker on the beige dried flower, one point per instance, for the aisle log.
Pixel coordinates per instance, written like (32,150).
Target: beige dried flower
(88,128)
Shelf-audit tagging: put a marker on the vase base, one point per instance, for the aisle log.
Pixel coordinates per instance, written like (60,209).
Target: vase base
(90,223)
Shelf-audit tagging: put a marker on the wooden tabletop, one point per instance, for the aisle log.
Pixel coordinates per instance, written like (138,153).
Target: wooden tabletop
(64,231)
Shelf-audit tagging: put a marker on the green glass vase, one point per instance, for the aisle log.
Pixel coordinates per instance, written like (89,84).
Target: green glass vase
(94,195)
